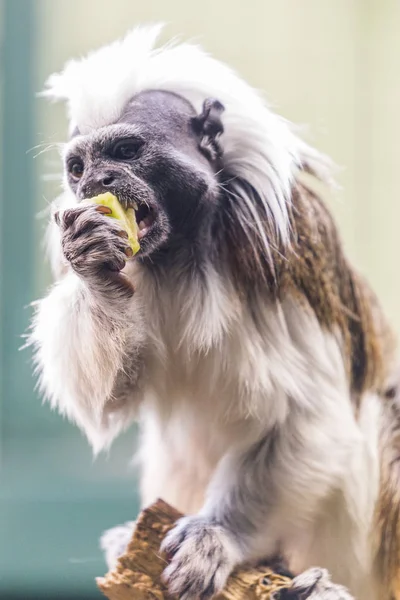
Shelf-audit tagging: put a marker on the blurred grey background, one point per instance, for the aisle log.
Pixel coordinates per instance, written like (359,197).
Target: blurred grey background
(332,66)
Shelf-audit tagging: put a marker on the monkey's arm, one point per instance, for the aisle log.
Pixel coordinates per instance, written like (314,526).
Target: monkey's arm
(88,331)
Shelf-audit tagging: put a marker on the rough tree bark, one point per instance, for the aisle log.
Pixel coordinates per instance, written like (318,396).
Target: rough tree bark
(138,573)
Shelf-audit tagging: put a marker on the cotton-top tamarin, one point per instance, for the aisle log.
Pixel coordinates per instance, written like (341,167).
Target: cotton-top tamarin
(253,355)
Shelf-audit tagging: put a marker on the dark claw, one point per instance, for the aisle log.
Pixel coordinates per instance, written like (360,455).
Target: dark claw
(103,209)
(129,252)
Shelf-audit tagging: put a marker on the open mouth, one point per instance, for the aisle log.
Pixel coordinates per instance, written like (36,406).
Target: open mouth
(145,218)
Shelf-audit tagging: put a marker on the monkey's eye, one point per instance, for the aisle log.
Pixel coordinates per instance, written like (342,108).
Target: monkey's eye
(75,168)
(126,149)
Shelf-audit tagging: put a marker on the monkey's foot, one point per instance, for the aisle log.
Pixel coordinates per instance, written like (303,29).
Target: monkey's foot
(202,556)
(114,542)
(315,584)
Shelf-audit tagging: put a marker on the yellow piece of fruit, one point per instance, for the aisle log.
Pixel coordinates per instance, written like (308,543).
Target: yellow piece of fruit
(126,217)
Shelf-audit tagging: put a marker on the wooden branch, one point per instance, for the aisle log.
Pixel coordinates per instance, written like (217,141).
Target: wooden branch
(138,573)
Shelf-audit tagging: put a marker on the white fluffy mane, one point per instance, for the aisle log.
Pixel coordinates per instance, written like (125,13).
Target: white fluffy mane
(258,145)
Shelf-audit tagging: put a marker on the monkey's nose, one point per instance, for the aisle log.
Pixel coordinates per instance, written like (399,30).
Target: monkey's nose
(102,182)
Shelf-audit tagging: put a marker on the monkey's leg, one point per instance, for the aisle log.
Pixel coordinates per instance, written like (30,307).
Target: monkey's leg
(267,497)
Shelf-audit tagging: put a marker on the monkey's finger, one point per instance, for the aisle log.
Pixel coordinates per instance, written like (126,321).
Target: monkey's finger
(172,542)
(68,216)
(116,263)
(94,240)
(89,220)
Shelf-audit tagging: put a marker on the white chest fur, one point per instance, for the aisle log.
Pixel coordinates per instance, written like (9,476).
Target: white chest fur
(219,379)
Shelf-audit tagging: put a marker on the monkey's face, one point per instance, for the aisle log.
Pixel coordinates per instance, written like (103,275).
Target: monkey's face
(159,157)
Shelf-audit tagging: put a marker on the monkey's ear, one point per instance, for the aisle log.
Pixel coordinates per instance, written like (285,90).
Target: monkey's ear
(208,126)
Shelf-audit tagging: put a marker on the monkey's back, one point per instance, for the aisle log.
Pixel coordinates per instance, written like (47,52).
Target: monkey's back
(316,270)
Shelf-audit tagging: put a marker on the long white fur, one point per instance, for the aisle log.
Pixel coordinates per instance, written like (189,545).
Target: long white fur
(208,368)
(80,352)
(216,372)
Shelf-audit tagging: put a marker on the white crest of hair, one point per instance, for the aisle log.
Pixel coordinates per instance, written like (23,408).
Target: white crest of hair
(259,146)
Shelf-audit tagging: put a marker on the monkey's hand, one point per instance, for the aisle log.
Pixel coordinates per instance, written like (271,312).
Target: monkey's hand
(202,555)
(96,247)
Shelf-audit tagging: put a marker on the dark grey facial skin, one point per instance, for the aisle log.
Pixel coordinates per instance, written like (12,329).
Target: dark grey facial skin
(168,166)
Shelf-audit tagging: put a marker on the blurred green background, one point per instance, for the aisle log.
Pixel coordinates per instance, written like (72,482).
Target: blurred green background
(331,65)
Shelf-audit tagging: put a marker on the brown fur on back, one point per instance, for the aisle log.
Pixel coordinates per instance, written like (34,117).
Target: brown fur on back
(316,271)
(319,271)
